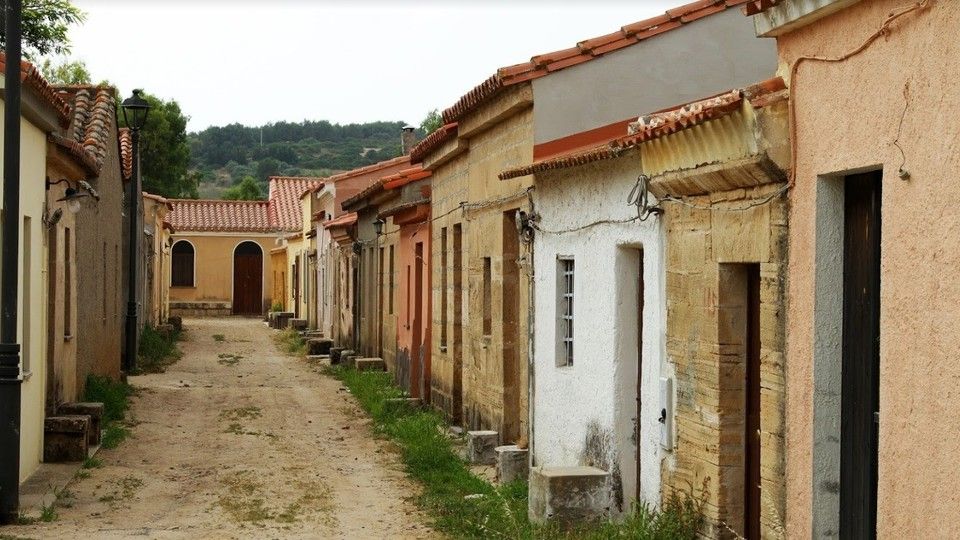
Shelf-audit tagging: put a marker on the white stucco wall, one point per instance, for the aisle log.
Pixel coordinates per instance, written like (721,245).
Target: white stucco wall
(583,414)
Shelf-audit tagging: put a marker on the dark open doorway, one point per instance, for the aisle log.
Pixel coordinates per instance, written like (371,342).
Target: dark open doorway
(248,279)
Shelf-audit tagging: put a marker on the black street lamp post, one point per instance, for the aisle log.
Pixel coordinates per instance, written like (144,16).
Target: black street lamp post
(135,110)
(10,377)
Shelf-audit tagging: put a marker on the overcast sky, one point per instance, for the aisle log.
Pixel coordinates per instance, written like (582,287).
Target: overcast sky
(258,62)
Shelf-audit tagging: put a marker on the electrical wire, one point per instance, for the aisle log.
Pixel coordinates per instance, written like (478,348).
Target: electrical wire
(759,202)
(881,31)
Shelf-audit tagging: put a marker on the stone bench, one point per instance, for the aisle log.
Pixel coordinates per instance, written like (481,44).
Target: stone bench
(298,324)
(569,495)
(281,319)
(66,438)
(369,364)
(512,463)
(93,410)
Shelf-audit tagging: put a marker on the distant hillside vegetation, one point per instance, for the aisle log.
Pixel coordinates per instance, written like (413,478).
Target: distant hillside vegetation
(225,155)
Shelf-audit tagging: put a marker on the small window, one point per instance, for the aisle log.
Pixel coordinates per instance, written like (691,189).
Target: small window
(487,297)
(182,264)
(565,270)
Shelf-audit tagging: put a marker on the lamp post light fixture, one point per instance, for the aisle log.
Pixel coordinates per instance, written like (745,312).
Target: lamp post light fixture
(135,110)
(73,195)
(378,226)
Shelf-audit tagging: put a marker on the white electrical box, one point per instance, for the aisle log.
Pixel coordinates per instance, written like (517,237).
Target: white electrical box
(666,413)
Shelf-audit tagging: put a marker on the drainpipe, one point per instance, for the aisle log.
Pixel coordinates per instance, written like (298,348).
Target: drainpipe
(10,378)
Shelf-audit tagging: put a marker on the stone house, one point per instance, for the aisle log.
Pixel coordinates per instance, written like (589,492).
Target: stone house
(213,235)
(156,259)
(874,304)
(44,115)
(99,231)
(586,222)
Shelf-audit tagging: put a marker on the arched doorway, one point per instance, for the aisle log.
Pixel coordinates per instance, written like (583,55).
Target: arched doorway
(248,279)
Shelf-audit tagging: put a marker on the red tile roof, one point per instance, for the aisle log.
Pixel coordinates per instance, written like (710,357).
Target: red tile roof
(284,200)
(126,153)
(341,221)
(586,50)
(432,141)
(76,151)
(369,191)
(31,78)
(368,169)
(405,176)
(657,125)
(92,118)
(220,216)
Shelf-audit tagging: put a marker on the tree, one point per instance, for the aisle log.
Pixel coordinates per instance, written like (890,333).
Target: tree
(45,25)
(164,152)
(66,71)
(432,122)
(246,190)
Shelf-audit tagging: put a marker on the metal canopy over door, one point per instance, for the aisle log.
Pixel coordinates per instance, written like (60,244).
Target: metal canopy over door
(248,279)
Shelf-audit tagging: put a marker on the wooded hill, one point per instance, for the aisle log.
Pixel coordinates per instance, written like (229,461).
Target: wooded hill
(225,155)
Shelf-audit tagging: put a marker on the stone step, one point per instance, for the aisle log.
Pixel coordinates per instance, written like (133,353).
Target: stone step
(370,364)
(66,438)
(298,324)
(481,447)
(319,346)
(91,409)
(512,463)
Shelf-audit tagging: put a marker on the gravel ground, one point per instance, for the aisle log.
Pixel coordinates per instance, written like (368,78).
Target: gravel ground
(238,440)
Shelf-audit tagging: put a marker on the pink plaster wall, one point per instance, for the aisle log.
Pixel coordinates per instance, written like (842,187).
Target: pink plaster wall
(847,117)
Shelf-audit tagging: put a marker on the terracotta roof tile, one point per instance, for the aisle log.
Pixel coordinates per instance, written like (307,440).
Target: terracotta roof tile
(32,79)
(586,50)
(92,118)
(75,149)
(220,216)
(432,141)
(126,152)
(341,221)
(284,200)
(652,126)
(369,191)
(158,199)
(406,176)
(368,169)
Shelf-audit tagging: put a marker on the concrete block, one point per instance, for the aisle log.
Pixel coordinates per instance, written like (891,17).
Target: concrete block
(335,353)
(569,495)
(512,463)
(319,345)
(66,438)
(401,404)
(282,319)
(481,447)
(370,364)
(321,359)
(93,410)
(347,357)
(298,324)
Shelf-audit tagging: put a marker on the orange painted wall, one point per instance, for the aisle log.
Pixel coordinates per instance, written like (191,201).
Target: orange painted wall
(413,232)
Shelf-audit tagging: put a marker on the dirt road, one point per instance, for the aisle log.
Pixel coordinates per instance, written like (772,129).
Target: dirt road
(237,440)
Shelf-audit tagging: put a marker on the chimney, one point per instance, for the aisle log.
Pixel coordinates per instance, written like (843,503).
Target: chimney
(408,138)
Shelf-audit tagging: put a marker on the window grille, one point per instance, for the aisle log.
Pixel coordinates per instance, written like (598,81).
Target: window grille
(565,307)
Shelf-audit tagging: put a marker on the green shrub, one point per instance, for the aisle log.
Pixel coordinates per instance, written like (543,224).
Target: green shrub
(115,396)
(493,511)
(291,342)
(277,306)
(157,351)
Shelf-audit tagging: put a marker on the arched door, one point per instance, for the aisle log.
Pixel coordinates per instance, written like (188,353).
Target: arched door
(248,279)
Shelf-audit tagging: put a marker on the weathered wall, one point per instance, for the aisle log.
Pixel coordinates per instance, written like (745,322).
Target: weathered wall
(368,258)
(848,116)
(413,357)
(101,284)
(500,136)
(584,414)
(213,260)
(653,75)
(389,279)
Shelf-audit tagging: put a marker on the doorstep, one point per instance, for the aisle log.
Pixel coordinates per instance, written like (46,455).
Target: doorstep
(40,488)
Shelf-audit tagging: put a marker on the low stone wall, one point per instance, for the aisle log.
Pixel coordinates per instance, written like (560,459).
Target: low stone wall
(200,309)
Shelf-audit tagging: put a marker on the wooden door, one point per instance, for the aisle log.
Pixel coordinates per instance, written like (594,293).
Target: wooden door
(860,367)
(510,328)
(416,349)
(458,324)
(248,279)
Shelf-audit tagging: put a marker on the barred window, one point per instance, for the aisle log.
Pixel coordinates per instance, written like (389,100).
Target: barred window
(565,271)
(182,270)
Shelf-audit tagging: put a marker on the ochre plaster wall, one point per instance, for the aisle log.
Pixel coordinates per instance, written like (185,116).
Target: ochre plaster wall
(848,116)
(213,265)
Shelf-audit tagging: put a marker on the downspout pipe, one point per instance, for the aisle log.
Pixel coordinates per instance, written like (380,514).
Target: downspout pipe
(10,376)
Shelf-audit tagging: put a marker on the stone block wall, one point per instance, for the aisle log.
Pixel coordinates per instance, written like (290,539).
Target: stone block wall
(706,347)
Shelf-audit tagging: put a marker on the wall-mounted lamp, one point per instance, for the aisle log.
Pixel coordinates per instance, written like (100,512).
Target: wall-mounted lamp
(378,226)
(72,195)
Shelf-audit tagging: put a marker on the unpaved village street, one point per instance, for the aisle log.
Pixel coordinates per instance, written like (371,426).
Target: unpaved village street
(238,440)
